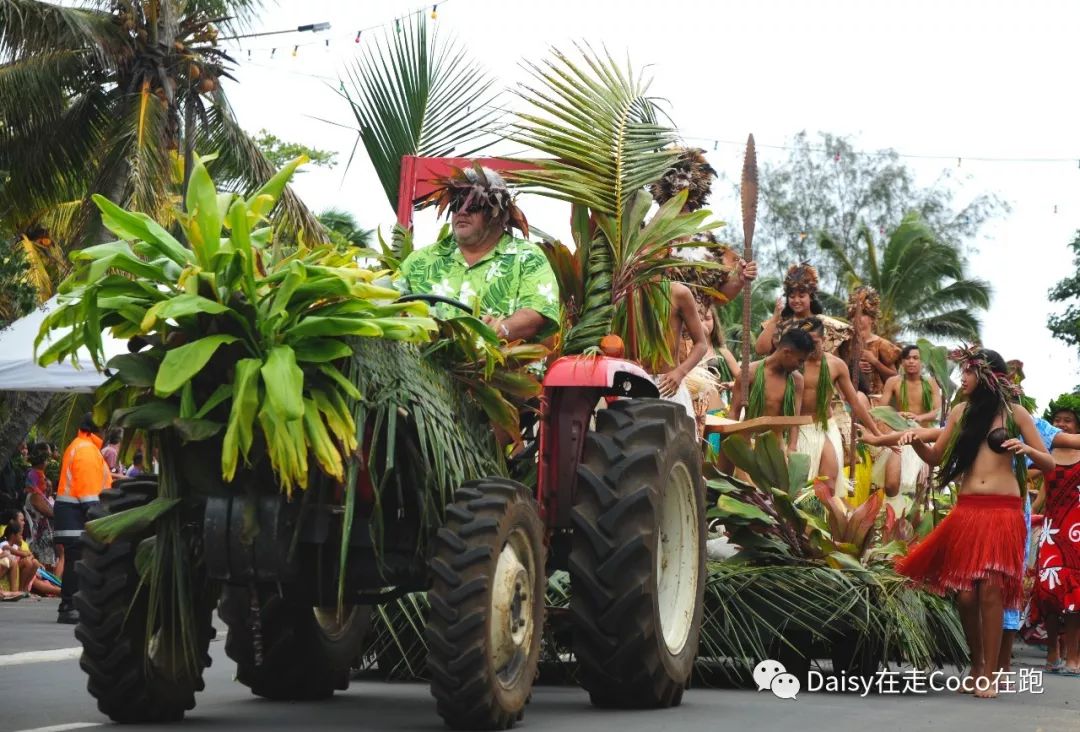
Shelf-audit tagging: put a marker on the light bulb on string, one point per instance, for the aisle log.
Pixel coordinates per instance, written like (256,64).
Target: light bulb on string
(397,24)
(435,12)
(272,52)
(357,40)
(295,50)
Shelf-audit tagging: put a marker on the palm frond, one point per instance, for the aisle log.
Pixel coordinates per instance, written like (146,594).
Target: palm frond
(973,293)
(829,245)
(55,161)
(60,421)
(957,325)
(29,27)
(597,126)
(413,94)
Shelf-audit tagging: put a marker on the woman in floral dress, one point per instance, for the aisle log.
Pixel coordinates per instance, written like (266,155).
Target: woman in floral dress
(1057,590)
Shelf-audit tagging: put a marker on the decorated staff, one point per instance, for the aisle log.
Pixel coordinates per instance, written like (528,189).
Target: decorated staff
(854,367)
(748,196)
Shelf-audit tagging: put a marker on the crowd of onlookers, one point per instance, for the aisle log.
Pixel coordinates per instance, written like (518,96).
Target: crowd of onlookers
(32,552)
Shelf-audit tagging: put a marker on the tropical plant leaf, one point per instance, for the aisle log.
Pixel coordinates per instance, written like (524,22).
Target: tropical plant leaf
(891,417)
(181,364)
(131,522)
(728,506)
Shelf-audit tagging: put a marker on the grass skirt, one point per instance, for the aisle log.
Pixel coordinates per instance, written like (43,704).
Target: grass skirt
(982,538)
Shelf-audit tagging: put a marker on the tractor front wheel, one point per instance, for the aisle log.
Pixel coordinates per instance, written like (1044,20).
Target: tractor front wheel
(487,605)
(136,673)
(637,563)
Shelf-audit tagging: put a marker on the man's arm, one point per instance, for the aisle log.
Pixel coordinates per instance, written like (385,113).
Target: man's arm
(686,307)
(843,382)
(742,273)
(521,326)
(537,300)
(891,391)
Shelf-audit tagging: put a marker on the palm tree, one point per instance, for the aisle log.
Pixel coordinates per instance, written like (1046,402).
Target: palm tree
(343,228)
(115,97)
(922,281)
(416,94)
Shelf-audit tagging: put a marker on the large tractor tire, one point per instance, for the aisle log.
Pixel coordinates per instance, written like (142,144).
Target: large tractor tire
(487,605)
(637,562)
(127,677)
(291,651)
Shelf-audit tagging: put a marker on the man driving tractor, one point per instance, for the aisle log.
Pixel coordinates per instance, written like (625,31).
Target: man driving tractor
(482,262)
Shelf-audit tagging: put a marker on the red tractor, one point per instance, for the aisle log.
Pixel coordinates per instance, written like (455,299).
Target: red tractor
(619,504)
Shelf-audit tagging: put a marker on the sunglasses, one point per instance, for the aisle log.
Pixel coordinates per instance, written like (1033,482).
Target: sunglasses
(458,207)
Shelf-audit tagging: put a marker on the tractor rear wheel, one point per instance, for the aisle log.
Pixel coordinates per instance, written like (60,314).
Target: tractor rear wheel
(637,563)
(131,673)
(295,652)
(487,605)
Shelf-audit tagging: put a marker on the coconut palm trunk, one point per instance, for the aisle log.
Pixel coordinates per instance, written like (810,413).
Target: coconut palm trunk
(20,410)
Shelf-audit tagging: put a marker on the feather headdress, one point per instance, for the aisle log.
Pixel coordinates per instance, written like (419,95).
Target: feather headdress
(871,301)
(476,189)
(973,358)
(801,278)
(692,173)
(711,273)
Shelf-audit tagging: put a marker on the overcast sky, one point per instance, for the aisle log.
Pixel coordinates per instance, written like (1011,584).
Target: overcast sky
(954,79)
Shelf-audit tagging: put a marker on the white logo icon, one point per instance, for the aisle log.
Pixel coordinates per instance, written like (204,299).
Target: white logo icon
(785,686)
(773,676)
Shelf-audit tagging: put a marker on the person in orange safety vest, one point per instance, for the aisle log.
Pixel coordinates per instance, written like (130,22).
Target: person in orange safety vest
(84,474)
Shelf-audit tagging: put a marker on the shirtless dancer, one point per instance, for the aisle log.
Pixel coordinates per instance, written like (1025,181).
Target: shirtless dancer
(917,399)
(879,356)
(776,386)
(683,318)
(823,376)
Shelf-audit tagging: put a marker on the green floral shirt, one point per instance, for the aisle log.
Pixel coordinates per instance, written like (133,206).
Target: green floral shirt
(513,275)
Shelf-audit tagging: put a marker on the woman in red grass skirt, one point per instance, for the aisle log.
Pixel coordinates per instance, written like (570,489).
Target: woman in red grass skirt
(977,552)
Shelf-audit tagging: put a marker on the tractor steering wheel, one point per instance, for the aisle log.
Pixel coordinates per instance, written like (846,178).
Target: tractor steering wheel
(433,299)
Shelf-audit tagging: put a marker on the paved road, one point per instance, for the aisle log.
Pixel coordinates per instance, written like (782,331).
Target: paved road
(52,694)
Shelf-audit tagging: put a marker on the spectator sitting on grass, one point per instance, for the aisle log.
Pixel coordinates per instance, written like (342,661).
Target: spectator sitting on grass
(9,576)
(26,578)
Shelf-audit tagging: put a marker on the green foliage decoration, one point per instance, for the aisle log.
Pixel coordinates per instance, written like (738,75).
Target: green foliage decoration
(228,340)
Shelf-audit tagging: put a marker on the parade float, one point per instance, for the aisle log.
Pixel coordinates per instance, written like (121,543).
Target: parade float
(330,479)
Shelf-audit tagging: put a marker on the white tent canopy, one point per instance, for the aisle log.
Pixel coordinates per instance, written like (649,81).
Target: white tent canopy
(19,371)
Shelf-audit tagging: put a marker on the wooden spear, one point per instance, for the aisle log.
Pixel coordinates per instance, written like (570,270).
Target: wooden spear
(749,197)
(855,369)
